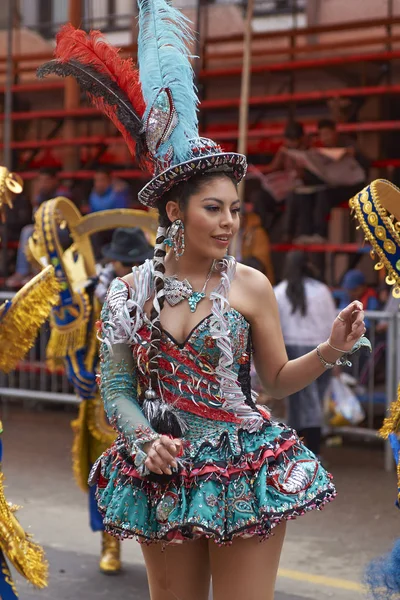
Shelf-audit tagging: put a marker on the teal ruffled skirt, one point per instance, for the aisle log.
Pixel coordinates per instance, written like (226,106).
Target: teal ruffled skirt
(230,483)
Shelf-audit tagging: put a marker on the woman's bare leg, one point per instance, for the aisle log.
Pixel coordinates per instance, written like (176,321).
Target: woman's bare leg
(246,569)
(179,572)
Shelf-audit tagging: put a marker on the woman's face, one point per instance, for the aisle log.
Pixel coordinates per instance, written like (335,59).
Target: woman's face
(211,218)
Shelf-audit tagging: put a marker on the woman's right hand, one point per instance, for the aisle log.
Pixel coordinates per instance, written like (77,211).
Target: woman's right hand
(161,455)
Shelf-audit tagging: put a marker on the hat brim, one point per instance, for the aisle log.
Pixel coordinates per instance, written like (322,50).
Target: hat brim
(231,163)
(373,207)
(108,253)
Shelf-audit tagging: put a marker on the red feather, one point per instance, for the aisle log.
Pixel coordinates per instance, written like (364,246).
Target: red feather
(91,49)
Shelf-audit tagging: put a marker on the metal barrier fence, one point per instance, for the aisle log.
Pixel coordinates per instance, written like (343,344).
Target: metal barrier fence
(377,375)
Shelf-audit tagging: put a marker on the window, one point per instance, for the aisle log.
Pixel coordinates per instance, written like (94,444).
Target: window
(46,16)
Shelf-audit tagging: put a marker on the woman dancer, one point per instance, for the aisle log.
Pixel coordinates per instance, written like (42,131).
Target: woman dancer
(197,468)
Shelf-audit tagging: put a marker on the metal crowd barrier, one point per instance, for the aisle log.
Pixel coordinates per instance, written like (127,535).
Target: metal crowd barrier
(34,381)
(377,376)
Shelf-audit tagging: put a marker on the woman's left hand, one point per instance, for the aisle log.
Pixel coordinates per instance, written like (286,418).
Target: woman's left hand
(348,327)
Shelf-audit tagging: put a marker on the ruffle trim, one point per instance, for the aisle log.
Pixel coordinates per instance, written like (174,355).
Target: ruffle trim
(263,527)
(193,467)
(218,470)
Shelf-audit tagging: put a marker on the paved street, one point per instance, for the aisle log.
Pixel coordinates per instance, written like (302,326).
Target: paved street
(324,553)
(74,575)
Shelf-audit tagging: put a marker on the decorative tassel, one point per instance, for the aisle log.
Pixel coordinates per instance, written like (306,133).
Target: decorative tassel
(26,556)
(163,417)
(22,317)
(69,330)
(62,342)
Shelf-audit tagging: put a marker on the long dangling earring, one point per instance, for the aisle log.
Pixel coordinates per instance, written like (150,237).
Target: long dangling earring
(176,238)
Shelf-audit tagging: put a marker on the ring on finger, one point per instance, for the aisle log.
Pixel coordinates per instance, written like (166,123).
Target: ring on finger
(341,318)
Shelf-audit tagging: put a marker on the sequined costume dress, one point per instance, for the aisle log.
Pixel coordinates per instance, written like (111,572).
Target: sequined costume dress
(240,473)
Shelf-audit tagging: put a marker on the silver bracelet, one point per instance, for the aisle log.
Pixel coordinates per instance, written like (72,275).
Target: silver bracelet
(336,349)
(325,363)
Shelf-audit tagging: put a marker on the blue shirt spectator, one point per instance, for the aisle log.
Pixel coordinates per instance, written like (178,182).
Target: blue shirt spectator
(106,193)
(354,287)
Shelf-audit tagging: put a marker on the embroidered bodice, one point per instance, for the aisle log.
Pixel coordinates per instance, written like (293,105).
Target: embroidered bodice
(207,375)
(187,371)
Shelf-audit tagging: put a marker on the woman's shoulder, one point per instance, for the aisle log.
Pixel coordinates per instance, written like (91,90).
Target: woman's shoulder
(252,283)
(129,280)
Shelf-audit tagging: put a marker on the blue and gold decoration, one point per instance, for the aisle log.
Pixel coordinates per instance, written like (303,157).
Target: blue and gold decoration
(377,209)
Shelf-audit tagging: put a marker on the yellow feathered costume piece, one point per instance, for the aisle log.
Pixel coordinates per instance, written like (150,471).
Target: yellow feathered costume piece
(20,321)
(27,557)
(22,317)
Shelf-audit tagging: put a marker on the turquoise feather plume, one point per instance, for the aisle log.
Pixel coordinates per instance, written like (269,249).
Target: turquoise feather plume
(163,58)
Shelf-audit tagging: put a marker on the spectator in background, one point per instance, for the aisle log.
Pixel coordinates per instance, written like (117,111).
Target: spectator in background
(310,204)
(254,237)
(354,287)
(332,196)
(306,309)
(48,186)
(278,179)
(294,138)
(128,248)
(107,193)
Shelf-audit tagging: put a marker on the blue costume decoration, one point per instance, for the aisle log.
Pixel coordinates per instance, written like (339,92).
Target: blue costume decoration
(377,209)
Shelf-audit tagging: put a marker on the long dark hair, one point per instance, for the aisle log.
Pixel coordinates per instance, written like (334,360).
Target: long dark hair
(298,266)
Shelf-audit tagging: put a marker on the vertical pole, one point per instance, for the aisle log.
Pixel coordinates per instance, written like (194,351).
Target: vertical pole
(7,131)
(72,96)
(246,80)
(244,101)
(293,39)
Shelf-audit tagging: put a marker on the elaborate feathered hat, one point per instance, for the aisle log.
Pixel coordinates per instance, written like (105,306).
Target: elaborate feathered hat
(377,209)
(155,107)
